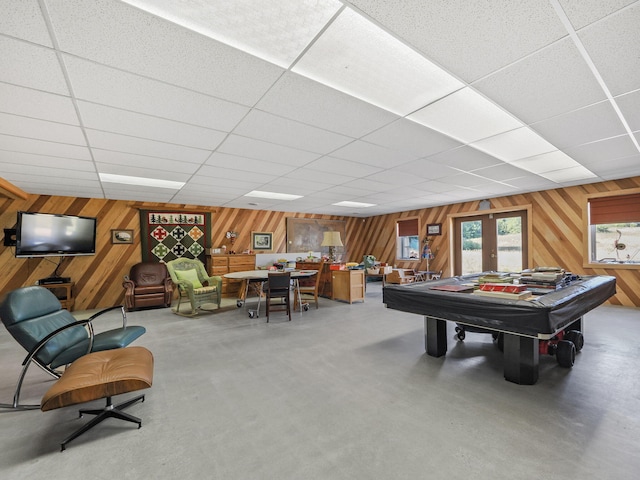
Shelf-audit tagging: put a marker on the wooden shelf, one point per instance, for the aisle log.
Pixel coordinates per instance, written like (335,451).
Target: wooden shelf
(229,263)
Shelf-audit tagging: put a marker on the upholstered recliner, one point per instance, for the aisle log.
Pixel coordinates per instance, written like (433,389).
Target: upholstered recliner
(52,336)
(193,282)
(147,285)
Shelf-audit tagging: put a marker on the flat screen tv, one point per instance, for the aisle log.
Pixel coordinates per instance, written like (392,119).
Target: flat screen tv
(45,234)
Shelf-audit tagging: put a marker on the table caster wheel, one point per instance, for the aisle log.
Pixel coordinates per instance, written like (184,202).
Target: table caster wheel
(576,337)
(238,303)
(252,314)
(565,353)
(460,334)
(305,308)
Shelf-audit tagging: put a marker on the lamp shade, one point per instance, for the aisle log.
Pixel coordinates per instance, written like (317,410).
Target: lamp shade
(331,239)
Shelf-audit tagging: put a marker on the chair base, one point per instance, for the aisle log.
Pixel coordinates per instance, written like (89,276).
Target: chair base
(109,411)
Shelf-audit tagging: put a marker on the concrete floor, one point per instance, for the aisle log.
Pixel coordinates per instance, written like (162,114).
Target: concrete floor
(343,392)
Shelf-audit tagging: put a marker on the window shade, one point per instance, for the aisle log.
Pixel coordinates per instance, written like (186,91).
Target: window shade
(618,209)
(408,228)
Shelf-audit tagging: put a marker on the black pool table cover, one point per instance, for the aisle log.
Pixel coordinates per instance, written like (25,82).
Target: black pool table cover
(540,316)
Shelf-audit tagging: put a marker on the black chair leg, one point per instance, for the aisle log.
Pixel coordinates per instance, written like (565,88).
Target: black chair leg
(109,411)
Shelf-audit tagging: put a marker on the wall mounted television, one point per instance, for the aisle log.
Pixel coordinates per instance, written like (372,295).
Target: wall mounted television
(46,234)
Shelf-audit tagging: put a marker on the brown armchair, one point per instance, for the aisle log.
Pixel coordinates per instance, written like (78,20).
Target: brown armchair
(147,285)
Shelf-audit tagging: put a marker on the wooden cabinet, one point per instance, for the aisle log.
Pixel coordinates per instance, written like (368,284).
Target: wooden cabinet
(347,285)
(64,292)
(221,264)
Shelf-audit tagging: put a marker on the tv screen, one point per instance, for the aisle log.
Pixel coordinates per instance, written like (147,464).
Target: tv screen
(45,234)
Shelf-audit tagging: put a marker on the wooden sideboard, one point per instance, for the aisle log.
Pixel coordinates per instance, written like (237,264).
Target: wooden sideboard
(347,285)
(228,263)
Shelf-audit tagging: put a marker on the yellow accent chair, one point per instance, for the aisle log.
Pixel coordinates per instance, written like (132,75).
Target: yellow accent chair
(193,283)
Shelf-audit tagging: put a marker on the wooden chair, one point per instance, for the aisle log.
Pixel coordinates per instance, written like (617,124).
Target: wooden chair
(279,287)
(399,277)
(308,287)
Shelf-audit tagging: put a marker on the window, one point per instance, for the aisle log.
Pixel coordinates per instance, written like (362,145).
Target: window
(614,229)
(407,241)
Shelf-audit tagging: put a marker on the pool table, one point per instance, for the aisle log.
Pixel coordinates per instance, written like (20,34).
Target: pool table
(525,326)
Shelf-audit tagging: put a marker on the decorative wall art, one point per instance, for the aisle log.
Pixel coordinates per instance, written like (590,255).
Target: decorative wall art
(261,240)
(121,236)
(167,235)
(306,235)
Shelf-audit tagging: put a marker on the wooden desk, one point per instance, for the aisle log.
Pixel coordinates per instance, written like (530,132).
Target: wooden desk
(64,292)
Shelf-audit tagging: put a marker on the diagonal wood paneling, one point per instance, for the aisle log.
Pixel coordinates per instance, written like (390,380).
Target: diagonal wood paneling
(557,237)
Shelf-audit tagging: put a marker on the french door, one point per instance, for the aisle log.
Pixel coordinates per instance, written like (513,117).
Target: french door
(491,242)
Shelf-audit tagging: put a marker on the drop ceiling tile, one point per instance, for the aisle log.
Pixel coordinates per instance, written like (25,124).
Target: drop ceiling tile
(36,104)
(23,19)
(466,116)
(114,120)
(232,174)
(243,164)
(602,151)
(274,31)
(470,39)
(208,176)
(411,138)
(19,60)
(326,177)
(50,172)
(584,12)
(618,168)
(342,167)
(282,131)
(428,169)
(124,37)
(111,87)
(550,82)
(306,101)
(629,104)
(573,174)
(143,161)
(40,129)
(514,145)
(396,176)
(368,186)
(465,158)
(41,147)
(532,182)
(500,173)
(618,66)
(434,187)
(141,146)
(355,56)
(586,125)
(261,150)
(293,186)
(62,187)
(547,162)
(32,162)
(370,154)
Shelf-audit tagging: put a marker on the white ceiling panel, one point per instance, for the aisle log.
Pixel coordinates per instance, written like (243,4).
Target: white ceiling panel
(466,116)
(36,104)
(530,88)
(312,97)
(584,12)
(23,19)
(114,120)
(471,39)
(370,154)
(40,129)
(282,131)
(121,36)
(41,147)
(30,66)
(356,57)
(141,146)
(589,124)
(107,86)
(275,31)
(605,42)
(409,137)
(306,101)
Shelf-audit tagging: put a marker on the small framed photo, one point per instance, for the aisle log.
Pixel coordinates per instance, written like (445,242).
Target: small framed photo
(434,229)
(121,236)
(261,240)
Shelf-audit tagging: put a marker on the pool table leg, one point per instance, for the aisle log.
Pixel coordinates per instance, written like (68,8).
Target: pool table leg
(521,359)
(435,336)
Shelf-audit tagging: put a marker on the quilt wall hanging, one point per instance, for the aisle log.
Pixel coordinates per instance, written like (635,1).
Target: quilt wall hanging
(167,235)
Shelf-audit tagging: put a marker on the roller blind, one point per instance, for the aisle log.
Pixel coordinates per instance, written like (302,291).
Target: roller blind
(618,209)
(407,228)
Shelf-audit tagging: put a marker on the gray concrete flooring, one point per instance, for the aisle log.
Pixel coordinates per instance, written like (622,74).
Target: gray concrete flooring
(342,392)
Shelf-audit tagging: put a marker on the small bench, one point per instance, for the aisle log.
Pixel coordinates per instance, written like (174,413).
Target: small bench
(102,375)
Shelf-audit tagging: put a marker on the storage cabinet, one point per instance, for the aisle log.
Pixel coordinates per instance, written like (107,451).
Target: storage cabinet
(228,263)
(347,285)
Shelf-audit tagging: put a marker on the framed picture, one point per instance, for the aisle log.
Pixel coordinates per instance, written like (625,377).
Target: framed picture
(121,236)
(434,229)
(261,240)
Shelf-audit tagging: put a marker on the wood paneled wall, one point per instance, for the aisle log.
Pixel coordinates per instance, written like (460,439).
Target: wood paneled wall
(557,238)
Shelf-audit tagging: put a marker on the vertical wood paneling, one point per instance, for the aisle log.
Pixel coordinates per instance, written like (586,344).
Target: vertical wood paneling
(557,238)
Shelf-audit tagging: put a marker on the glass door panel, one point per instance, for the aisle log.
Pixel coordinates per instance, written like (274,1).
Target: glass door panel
(509,244)
(471,246)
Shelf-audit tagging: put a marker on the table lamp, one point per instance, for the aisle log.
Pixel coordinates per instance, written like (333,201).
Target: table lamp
(331,240)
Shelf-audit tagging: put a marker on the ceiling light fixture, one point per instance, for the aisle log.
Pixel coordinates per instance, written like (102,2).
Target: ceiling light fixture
(354,204)
(140,181)
(272,195)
